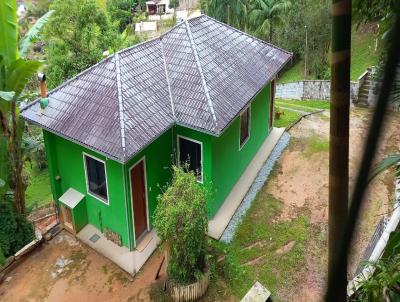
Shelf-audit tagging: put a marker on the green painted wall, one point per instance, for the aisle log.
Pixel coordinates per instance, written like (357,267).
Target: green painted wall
(66,160)
(228,162)
(80,215)
(159,158)
(223,164)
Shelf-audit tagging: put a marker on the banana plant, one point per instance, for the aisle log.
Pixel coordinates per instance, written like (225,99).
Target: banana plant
(15,72)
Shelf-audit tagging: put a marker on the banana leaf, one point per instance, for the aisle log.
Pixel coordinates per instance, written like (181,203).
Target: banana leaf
(8,30)
(33,33)
(19,73)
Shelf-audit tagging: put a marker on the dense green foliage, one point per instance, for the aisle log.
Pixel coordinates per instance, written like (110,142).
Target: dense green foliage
(381,11)
(257,17)
(121,12)
(282,22)
(77,34)
(2,257)
(39,8)
(15,230)
(313,17)
(38,192)
(181,221)
(384,284)
(15,73)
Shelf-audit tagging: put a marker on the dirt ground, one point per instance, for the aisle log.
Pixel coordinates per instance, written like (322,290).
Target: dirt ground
(302,185)
(66,270)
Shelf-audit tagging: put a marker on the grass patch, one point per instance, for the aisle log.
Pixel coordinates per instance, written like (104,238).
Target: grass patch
(38,192)
(293,74)
(286,119)
(316,144)
(363,52)
(258,237)
(314,104)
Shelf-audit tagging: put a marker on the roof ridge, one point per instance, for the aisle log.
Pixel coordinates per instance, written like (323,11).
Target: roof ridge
(203,80)
(121,115)
(167,78)
(242,32)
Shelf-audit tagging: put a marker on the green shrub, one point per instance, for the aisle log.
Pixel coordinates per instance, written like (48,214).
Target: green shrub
(40,157)
(15,230)
(181,221)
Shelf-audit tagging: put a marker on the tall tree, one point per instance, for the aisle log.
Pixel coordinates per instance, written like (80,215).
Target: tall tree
(339,143)
(77,34)
(265,14)
(232,12)
(121,12)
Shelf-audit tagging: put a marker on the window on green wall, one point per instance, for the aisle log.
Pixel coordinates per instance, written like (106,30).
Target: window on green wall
(244,127)
(96,181)
(190,154)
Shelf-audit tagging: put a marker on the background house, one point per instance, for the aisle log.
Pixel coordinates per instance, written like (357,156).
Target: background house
(201,93)
(158,7)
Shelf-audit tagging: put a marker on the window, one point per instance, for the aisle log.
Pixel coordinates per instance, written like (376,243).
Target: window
(96,181)
(161,9)
(244,127)
(190,153)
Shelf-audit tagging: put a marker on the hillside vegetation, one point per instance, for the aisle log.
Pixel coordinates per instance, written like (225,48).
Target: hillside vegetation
(363,55)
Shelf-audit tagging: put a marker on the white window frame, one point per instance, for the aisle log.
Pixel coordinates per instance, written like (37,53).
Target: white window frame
(105,201)
(201,152)
(240,127)
(146,195)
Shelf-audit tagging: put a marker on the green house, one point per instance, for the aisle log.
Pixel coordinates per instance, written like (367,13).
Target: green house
(202,93)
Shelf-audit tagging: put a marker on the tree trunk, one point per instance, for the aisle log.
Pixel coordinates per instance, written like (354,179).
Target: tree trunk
(339,142)
(16,162)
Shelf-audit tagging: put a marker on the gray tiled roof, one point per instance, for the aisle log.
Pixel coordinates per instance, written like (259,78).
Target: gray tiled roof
(200,74)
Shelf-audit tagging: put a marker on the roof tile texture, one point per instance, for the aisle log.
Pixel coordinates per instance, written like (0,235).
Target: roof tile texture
(200,74)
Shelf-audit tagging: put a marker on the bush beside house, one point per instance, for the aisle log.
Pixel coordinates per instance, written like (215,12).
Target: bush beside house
(15,230)
(181,222)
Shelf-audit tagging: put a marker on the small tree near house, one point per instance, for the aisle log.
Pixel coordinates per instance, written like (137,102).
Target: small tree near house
(181,221)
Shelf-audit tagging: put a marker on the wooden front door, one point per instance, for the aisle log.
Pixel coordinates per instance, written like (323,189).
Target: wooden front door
(272,104)
(138,187)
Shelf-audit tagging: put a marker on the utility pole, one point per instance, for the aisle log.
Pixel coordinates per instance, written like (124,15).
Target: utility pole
(339,144)
(305,55)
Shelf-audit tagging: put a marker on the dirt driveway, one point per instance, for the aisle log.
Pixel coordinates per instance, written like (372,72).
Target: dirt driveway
(66,270)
